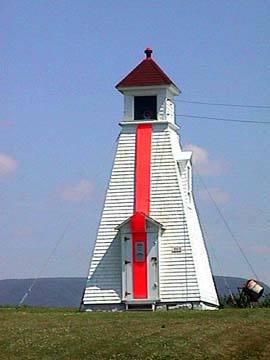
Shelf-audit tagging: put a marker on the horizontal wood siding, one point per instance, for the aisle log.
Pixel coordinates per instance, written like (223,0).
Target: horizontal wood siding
(184,274)
(201,259)
(178,280)
(199,252)
(105,278)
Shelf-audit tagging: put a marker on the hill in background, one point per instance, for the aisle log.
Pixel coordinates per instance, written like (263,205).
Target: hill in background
(58,292)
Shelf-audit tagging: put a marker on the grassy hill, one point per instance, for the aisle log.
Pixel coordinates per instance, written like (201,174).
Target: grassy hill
(56,334)
(60,292)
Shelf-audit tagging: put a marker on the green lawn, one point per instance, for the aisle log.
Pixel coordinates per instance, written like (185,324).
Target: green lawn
(36,333)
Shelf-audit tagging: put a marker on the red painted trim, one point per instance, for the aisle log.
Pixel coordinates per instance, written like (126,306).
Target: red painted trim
(140,283)
(142,208)
(143,168)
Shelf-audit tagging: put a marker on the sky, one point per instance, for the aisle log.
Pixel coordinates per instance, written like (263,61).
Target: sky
(59,115)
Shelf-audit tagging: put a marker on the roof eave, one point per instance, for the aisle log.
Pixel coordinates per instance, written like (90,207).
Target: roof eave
(153,221)
(172,87)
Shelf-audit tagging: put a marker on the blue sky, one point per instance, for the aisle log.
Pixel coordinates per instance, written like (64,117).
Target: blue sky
(60,61)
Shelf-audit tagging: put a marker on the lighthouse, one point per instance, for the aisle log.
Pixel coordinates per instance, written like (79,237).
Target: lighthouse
(149,250)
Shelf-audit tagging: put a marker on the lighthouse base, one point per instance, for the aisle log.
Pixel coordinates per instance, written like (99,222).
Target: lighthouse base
(150,305)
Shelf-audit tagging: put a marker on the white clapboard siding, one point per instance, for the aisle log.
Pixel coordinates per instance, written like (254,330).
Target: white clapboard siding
(167,208)
(206,285)
(104,282)
(184,276)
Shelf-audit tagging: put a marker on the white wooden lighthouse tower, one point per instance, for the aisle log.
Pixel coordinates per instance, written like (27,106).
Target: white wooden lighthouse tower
(149,250)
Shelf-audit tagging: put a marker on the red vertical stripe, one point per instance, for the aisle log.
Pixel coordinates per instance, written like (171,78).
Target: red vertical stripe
(143,168)
(138,226)
(142,208)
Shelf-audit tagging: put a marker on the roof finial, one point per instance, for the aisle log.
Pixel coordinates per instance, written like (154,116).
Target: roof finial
(148,51)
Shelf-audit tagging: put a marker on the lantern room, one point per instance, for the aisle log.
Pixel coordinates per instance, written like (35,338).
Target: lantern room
(148,92)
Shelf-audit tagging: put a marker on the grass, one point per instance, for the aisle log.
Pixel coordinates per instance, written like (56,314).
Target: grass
(41,333)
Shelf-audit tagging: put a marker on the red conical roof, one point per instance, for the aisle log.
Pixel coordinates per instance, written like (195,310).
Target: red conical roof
(147,73)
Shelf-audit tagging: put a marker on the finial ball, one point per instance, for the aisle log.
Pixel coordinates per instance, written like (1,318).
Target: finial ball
(148,51)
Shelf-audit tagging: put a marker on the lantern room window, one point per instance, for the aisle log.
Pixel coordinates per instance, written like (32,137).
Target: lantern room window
(145,108)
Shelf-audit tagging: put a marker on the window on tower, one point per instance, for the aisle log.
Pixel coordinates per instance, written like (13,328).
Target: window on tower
(139,251)
(145,107)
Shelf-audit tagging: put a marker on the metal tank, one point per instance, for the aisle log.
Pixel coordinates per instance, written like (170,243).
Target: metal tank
(253,289)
